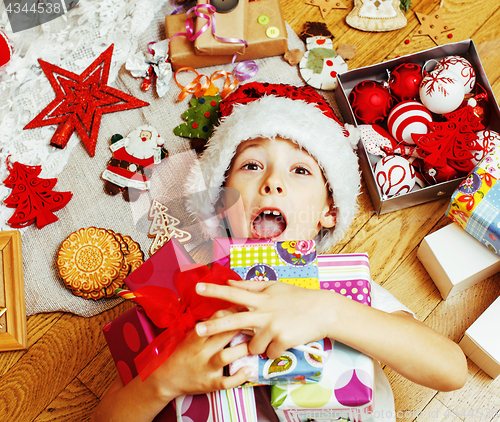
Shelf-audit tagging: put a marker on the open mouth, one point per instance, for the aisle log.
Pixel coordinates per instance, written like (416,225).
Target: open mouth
(270,223)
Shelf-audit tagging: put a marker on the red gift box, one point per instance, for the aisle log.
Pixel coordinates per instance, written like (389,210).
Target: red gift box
(159,270)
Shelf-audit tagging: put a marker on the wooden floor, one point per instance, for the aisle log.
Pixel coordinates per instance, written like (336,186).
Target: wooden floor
(67,366)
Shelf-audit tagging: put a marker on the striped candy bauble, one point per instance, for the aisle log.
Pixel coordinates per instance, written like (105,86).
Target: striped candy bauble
(406,118)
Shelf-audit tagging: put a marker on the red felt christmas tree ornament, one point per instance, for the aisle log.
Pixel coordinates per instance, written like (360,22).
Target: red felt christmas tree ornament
(371,101)
(404,81)
(80,102)
(32,196)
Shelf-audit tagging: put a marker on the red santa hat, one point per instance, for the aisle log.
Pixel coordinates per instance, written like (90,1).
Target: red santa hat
(297,113)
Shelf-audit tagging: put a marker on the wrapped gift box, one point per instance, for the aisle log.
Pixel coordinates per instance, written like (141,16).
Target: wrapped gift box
(481,342)
(159,269)
(293,367)
(227,25)
(346,274)
(293,262)
(265,39)
(455,260)
(475,205)
(233,405)
(127,336)
(345,388)
(378,72)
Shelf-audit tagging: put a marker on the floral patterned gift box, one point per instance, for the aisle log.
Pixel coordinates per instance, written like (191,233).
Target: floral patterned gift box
(475,204)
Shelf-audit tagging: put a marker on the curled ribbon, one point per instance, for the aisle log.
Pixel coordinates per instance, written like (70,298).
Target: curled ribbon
(243,70)
(177,315)
(202,83)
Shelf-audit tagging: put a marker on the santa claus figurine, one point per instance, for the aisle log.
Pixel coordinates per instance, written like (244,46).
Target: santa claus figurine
(134,157)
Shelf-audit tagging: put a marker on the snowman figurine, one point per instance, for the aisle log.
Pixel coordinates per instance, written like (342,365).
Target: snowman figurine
(321,64)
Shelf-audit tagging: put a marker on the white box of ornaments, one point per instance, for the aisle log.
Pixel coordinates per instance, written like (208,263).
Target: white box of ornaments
(425,119)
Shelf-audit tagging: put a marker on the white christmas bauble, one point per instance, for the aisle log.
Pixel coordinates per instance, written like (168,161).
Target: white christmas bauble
(462,68)
(406,118)
(488,139)
(442,91)
(394,175)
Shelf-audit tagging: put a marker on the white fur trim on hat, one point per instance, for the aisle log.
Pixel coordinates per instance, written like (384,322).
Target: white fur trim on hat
(303,123)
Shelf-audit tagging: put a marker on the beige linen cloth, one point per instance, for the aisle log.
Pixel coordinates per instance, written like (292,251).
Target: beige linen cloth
(90,206)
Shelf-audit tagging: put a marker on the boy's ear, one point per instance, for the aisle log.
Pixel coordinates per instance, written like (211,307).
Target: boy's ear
(329,217)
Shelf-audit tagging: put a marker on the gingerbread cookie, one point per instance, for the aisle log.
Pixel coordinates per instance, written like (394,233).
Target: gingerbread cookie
(94,262)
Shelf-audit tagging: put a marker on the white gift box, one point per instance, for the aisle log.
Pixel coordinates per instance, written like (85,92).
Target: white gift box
(481,341)
(455,260)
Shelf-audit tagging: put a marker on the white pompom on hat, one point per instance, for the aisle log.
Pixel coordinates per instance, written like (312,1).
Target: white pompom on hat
(261,110)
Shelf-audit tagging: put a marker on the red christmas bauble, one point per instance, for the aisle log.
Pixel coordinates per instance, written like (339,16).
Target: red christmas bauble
(480,106)
(434,175)
(404,81)
(370,101)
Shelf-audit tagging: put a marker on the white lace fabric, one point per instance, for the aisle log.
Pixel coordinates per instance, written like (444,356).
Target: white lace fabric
(73,42)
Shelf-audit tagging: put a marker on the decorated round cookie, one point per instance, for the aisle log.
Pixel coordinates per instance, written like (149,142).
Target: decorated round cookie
(297,253)
(320,64)
(89,259)
(135,256)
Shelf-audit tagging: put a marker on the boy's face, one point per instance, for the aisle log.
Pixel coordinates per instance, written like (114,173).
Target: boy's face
(283,192)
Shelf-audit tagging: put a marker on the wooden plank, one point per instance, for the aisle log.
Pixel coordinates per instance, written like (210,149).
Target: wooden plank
(99,373)
(437,412)
(37,326)
(52,363)
(75,403)
(388,239)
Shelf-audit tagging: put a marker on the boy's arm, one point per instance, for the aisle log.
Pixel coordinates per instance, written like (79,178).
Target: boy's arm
(195,367)
(283,316)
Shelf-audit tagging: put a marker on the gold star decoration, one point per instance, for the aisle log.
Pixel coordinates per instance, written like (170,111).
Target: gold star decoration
(325,6)
(2,311)
(431,25)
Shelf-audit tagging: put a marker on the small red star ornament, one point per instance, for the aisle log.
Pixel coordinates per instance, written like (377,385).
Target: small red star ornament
(80,102)
(431,25)
(325,6)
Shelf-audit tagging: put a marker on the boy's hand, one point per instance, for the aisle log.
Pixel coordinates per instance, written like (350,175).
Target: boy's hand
(274,311)
(196,366)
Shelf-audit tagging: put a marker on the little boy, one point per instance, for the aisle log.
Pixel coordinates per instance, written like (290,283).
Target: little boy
(288,156)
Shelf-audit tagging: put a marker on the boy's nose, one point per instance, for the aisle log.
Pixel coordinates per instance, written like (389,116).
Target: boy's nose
(268,189)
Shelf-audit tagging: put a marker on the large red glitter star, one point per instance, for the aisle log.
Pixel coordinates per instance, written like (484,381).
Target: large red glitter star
(81,100)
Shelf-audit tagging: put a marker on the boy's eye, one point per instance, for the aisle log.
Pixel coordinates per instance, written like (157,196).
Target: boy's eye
(251,166)
(301,170)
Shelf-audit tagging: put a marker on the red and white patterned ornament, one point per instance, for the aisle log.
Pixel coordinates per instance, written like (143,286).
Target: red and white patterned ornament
(442,91)
(394,175)
(377,140)
(462,68)
(406,118)
(488,139)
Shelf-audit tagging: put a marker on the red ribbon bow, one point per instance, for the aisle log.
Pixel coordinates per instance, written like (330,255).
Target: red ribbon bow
(178,315)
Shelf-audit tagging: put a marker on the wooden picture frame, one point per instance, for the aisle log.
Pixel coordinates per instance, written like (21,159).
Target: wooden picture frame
(13,334)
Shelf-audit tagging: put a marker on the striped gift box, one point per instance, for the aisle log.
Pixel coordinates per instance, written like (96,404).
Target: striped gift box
(346,274)
(233,405)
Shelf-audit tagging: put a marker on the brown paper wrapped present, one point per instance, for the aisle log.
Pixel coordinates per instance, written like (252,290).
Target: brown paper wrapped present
(182,51)
(227,25)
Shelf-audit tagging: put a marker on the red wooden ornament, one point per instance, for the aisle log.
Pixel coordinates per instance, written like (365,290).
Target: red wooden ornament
(452,141)
(81,100)
(33,196)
